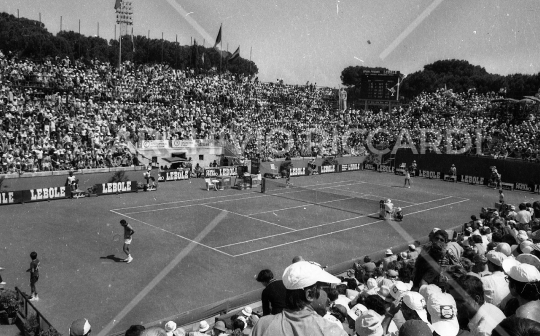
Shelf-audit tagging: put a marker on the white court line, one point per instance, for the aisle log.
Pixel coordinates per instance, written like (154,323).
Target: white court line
(342,230)
(300,206)
(191,205)
(230,200)
(383,197)
(324,224)
(421,191)
(257,219)
(174,234)
(207,198)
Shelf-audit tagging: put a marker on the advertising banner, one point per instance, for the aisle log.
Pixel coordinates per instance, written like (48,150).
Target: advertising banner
(116,187)
(370,166)
(32,195)
(350,167)
(174,175)
(385,169)
(515,174)
(221,171)
(44,194)
(197,143)
(297,171)
(327,169)
(11,197)
(154,144)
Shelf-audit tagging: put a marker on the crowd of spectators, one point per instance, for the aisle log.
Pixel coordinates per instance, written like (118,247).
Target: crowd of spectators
(58,114)
(483,281)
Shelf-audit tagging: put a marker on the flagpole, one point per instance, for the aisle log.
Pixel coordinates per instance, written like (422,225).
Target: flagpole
(250,51)
(120,52)
(221,49)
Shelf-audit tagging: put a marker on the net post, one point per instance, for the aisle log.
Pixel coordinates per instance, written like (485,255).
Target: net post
(263,185)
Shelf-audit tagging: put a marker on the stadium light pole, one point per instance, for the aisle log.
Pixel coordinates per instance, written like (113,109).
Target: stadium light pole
(124,17)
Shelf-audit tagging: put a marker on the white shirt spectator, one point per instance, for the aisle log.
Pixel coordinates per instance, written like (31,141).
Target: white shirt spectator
(495,288)
(523,217)
(485,320)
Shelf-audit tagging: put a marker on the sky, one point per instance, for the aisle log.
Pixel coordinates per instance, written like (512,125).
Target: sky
(314,40)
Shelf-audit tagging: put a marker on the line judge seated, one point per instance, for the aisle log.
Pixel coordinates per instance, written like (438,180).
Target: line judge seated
(303,281)
(389,208)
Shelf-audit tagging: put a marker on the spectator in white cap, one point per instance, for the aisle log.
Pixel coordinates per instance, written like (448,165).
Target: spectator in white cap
(170,327)
(481,317)
(303,282)
(495,285)
(389,257)
(442,310)
(504,248)
(369,324)
(247,311)
(523,281)
(202,329)
(356,311)
(396,292)
(80,327)
(412,306)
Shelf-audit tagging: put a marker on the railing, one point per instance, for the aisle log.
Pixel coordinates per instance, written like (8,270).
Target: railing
(27,307)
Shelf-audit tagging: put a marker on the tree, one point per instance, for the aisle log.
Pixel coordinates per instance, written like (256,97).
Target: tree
(29,39)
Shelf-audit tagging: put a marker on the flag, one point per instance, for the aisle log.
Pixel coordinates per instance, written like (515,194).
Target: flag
(218,38)
(117,4)
(235,55)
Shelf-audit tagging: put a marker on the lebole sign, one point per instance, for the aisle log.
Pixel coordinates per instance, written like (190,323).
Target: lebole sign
(116,187)
(174,175)
(221,171)
(32,195)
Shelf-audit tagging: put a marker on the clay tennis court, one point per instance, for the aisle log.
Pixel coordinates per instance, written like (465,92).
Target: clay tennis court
(195,248)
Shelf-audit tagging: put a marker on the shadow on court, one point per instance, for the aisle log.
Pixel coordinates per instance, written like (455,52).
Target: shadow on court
(112,257)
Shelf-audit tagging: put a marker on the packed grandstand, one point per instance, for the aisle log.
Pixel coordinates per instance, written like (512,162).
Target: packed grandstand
(482,279)
(61,115)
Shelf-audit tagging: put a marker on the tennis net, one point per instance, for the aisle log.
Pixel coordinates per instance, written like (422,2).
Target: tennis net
(329,196)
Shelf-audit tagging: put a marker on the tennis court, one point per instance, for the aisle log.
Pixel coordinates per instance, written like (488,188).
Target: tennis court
(280,216)
(193,248)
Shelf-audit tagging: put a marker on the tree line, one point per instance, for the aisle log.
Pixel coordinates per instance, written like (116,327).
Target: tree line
(458,75)
(25,38)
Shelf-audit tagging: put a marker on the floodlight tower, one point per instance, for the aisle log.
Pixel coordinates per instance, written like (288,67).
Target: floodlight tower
(124,17)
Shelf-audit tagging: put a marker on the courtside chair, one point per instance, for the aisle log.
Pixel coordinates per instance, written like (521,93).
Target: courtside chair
(210,183)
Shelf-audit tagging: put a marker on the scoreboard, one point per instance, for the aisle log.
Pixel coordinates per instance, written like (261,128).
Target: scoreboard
(379,84)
